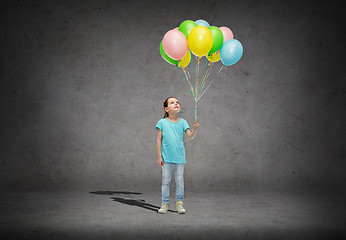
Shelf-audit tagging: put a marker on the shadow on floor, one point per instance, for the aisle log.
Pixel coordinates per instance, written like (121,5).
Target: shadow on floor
(126,197)
(115,192)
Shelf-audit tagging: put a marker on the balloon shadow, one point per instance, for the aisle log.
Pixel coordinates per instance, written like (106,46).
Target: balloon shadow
(130,200)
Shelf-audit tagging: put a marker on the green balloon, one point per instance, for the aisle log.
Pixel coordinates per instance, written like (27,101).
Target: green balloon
(186,27)
(217,39)
(166,57)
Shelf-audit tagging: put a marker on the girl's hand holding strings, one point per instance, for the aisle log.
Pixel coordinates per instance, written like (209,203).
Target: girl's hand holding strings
(195,125)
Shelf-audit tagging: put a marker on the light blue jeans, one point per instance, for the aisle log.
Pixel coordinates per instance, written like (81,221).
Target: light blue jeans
(166,181)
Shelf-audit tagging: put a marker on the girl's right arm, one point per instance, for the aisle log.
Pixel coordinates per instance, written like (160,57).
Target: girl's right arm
(158,147)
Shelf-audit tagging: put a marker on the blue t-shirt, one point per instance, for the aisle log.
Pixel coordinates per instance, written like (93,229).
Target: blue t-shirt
(172,147)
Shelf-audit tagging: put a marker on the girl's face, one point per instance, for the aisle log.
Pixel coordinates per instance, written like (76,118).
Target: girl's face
(173,106)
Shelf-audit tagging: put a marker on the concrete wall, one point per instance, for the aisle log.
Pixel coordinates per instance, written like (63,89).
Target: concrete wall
(82,87)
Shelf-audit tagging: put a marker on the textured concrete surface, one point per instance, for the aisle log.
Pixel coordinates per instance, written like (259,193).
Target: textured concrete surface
(215,215)
(82,86)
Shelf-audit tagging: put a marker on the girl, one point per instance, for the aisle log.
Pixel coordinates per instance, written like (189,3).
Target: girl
(171,151)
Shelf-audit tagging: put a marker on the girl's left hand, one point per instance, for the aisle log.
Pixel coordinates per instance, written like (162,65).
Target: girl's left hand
(196,125)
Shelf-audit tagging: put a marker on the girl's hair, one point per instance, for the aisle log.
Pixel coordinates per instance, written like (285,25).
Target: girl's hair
(165,104)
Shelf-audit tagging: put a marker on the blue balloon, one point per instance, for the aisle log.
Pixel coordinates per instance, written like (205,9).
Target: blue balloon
(202,22)
(231,52)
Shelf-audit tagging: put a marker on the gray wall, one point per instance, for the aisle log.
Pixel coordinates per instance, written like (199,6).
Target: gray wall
(82,87)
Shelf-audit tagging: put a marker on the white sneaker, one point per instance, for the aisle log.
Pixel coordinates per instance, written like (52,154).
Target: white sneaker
(180,207)
(163,209)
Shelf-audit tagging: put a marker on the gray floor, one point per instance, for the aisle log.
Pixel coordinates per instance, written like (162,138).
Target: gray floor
(217,215)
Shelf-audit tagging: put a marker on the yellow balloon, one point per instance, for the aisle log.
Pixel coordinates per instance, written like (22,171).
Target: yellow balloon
(185,60)
(200,40)
(214,57)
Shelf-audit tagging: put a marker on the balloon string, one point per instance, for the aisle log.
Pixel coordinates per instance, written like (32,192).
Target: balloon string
(196,119)
(191,65)
(188,79)
(198,60)
(211,67)
(188,73)
(205,76)
(204,73)
(191,85)
(220,70)
(210,83)
(188,82)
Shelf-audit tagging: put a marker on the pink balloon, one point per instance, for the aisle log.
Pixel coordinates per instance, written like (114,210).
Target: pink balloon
(227,33)
(174,43)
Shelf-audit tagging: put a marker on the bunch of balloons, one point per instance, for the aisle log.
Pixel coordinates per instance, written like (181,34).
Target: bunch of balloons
(200,39)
